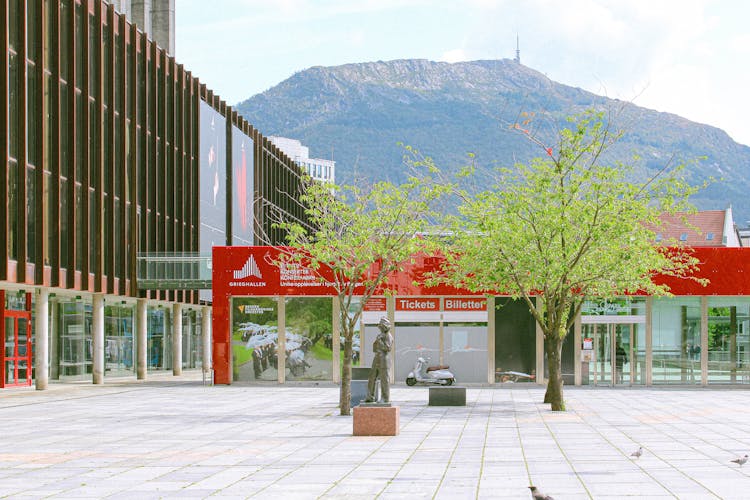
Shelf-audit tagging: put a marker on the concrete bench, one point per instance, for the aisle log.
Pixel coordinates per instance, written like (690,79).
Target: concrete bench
(447,396)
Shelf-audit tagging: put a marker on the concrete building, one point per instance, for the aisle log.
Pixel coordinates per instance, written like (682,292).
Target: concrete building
(155,18)
(319,169)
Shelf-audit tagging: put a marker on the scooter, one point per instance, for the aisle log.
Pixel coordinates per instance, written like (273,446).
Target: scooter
(424,374)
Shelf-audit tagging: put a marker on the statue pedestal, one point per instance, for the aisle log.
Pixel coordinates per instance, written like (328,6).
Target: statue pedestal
(375,420)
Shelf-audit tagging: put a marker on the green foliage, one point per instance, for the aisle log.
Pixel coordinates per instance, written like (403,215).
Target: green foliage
(362,235)
(566,227)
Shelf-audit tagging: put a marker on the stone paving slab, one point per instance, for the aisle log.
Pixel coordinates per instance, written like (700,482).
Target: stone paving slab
(173,437)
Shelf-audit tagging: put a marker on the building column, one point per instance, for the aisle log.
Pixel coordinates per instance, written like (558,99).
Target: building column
(649,340)
(704,340)
(97,311)
(177,339)
(540,375)
(54,338)
(336,340)
(577,343)
(141,341)
(390,306)
(490,340)
(206,338)
(281,342)
(41,339)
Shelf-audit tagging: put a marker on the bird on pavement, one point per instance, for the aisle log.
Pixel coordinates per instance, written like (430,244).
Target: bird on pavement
(741,460)
(637,453)
(538,495)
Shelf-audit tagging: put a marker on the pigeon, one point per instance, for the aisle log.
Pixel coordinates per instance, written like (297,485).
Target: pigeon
(637,453)
(538,495)
(741,460)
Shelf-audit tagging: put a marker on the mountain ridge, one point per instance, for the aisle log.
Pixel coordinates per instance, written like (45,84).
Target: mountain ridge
(362,112)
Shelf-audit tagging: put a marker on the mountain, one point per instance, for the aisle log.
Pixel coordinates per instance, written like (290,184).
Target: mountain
(361,113)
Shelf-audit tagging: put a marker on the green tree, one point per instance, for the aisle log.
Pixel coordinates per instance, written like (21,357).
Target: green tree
(565,228)
(355,239)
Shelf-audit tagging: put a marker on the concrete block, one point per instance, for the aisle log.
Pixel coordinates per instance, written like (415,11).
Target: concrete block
(359,392)
(360,372)
(447,396)
(376,420)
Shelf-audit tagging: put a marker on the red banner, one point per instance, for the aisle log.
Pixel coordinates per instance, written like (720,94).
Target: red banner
(375,304)
(464,304)
(418,304)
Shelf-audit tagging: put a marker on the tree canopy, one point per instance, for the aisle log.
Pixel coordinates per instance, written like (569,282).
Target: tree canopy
(361,236)
(567,227)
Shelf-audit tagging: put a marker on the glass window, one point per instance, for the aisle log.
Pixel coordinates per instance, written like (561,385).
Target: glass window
(515,338)
(119,342)
(30,214)
(158,341)
(12,209)
(255,337)
(66,23)
(14,111)
(75,341)
(309,356)
(676,340)
(709,236)
(465,346)
(683,237)
(80,230)
(34,117)
(728,340)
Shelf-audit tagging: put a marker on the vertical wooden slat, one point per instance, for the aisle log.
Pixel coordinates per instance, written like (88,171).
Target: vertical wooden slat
(54,143)
(4,149)
(22,142)
(41,124)
(99,163)
(152,163)
(70,194)
(132,243)
(143,163)
(85,153)
(110,162)
(119,238)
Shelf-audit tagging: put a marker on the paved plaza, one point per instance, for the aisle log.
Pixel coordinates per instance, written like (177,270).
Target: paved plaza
(173,437)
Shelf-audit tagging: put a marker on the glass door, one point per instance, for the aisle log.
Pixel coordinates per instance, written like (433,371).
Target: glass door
(610,363)
(16,361)
(17,349)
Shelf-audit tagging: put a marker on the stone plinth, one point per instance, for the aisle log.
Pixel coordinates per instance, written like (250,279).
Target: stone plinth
(376,420)
(447,396)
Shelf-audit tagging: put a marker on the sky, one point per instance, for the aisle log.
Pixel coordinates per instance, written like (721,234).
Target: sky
(687,57)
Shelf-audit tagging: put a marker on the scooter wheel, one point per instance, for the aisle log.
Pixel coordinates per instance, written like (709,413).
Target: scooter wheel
(449,381)
(411,381)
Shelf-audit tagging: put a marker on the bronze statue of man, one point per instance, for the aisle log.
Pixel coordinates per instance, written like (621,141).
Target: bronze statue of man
(381,347)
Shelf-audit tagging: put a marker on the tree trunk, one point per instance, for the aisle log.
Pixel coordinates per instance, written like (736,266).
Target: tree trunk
(554,395)
(346,375)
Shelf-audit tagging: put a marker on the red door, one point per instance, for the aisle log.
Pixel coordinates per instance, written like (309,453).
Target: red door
(15,358)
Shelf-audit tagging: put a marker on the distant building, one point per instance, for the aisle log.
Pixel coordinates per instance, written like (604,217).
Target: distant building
(708,228)
(318,169)
(155,18)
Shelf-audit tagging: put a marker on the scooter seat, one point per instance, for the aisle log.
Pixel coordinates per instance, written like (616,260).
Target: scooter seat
(437,367)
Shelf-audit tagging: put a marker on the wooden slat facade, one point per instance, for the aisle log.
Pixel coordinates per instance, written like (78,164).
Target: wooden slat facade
(112,127)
